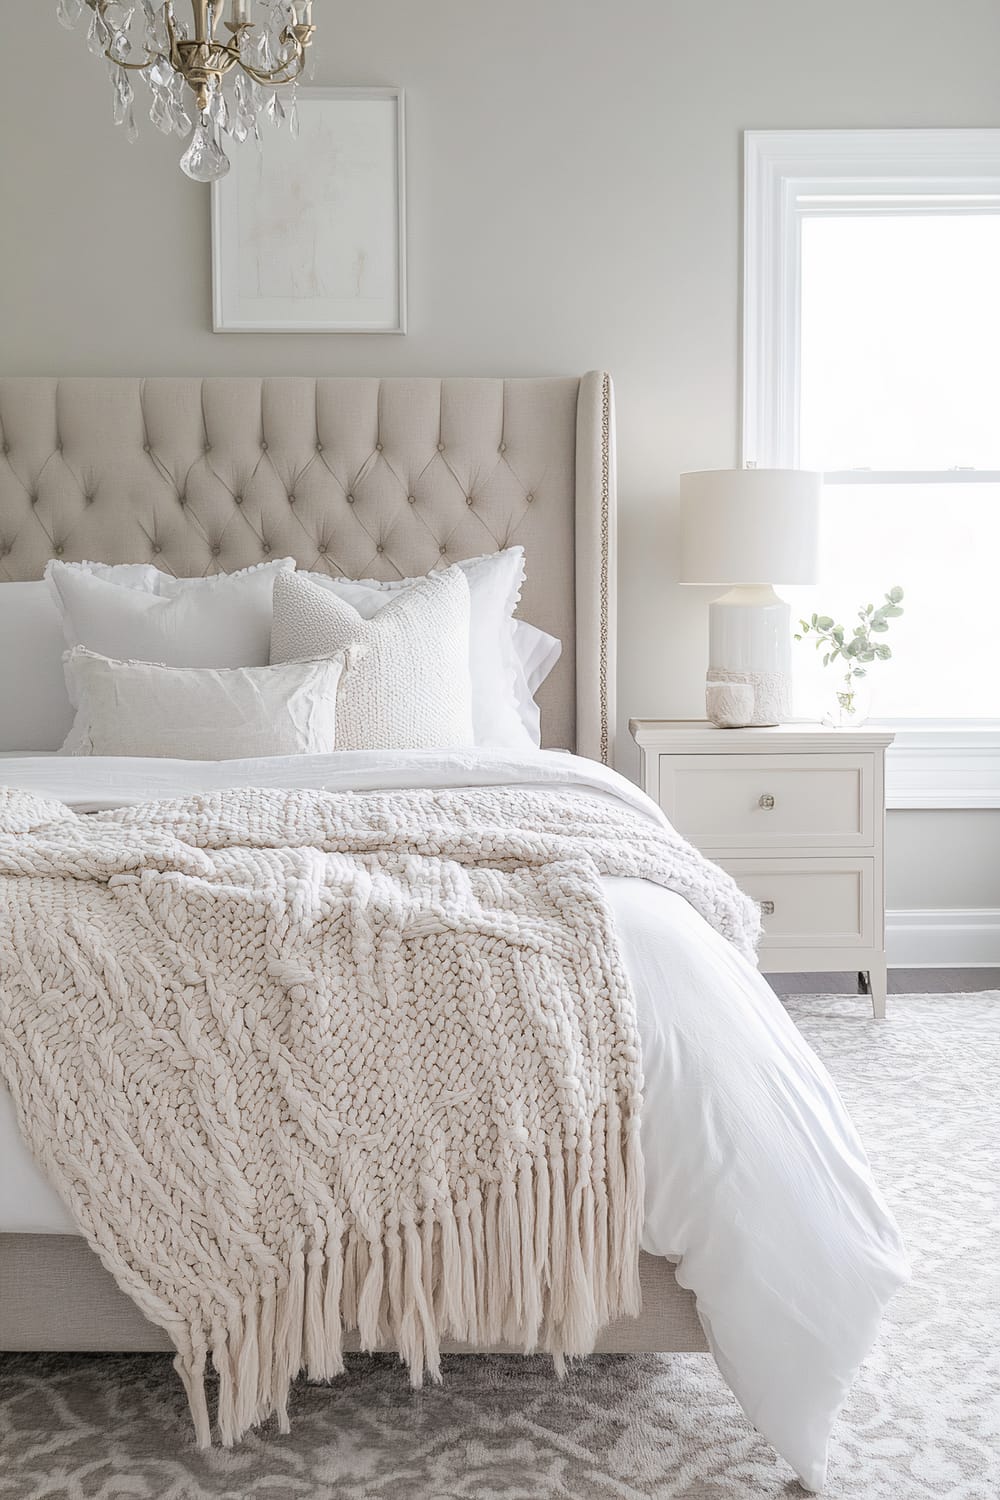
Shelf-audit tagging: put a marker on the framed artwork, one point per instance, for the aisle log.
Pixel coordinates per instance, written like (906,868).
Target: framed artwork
(309,233)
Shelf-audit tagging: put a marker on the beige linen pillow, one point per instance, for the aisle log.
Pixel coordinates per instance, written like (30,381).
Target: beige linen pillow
(409,686)
(200,713)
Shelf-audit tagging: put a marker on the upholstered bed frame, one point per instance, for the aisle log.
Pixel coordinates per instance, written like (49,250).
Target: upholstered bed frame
(362,477)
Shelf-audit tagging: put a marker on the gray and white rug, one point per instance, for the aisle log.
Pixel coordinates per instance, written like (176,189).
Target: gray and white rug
(923,1420)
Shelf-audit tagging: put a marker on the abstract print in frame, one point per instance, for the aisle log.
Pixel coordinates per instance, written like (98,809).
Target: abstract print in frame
(308,234)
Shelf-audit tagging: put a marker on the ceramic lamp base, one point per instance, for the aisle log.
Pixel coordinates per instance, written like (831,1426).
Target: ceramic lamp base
(750,640)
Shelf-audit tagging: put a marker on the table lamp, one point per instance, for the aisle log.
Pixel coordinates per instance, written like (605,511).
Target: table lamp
(751,529)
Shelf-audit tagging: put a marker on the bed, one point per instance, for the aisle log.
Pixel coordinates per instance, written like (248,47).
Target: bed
(389,478)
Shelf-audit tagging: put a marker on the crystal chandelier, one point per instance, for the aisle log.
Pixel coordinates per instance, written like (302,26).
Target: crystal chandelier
(233,79)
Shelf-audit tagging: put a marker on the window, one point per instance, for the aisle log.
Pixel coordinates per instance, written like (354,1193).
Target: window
(872,352)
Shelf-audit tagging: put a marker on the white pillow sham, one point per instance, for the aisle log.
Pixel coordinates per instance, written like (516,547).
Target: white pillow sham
(494,588)
(35,711)
(408,687)
(201,713)
(537,653)
(222,621)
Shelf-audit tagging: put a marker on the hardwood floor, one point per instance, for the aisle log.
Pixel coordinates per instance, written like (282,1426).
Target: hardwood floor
(901,982)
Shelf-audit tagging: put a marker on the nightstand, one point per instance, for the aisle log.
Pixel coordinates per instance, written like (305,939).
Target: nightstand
(796,814)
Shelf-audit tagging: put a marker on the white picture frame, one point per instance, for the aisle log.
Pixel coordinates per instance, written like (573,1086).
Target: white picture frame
(309,234)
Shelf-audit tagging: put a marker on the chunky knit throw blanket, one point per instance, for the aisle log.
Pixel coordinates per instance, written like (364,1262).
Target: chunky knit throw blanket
(300,1062)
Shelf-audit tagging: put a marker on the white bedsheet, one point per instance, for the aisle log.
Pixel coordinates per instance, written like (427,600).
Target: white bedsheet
(756,1183)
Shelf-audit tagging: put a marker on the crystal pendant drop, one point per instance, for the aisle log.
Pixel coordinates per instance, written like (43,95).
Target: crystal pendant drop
(204,160)
(68,13)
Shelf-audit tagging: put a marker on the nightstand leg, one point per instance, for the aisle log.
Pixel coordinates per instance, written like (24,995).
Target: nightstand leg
(874,981)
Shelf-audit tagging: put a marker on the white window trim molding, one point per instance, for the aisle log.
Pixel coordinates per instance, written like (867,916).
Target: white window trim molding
(936,764)
(780,167)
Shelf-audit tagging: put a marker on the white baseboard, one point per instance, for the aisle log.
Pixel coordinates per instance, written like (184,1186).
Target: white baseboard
(943,939)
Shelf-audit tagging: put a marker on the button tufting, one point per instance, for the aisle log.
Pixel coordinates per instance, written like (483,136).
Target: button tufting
(238,499)
(33,499)
(378,447)
(59,550)
(412,499)
(263,447)
(322,546)
(183,499)
(266,548)
(440,447)
(292,499)
(442,549)
(379,548)
(470,500)
(216,550)
(157,547)
(319,447)
(503,448)
(350,499)
(145,447)
(529,498)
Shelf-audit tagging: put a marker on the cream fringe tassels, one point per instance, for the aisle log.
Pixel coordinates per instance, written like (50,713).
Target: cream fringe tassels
(301,1063)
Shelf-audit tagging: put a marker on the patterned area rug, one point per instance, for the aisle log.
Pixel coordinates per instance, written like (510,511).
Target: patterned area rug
(923,1420)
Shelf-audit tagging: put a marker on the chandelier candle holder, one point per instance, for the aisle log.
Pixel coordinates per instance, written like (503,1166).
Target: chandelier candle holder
(211,75)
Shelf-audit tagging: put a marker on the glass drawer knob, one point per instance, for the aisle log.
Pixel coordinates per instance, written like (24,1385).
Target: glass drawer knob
(765,800)
(767,908)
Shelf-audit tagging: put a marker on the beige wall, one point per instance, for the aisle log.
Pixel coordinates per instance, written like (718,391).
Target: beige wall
(574,180)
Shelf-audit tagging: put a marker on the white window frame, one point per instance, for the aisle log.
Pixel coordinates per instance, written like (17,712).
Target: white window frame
(934,762)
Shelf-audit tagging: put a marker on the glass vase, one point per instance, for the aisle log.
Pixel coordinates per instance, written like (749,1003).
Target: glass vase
(850,703)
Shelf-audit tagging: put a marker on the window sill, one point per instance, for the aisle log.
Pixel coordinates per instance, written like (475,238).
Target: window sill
(943,763)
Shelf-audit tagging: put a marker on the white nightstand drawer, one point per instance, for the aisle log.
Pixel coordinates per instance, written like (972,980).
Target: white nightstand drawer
(827,903)
(770,802)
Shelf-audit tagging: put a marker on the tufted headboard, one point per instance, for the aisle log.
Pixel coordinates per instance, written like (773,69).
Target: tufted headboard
(365,478)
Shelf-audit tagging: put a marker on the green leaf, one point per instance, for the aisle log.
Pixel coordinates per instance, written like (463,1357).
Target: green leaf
(883,652)
(880,626)
(895,594)
(892,611)
(814,619)
(860,672)
(825,622)
(826,659)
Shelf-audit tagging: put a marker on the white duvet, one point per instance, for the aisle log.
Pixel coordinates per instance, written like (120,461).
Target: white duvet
(756,1183)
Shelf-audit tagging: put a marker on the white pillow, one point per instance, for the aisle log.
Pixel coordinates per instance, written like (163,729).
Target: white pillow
(35,711)
(537,653)
(494,587)
(409,686)
(201,713)
(223,621)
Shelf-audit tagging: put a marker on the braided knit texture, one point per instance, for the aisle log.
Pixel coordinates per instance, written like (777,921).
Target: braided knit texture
(299,1062)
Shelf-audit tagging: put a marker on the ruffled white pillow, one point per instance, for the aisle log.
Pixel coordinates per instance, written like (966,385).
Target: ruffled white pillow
(409,686)
(222,621)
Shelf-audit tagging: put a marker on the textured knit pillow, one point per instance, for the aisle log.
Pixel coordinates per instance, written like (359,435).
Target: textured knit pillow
(494,666)
(409,687)
(201,713)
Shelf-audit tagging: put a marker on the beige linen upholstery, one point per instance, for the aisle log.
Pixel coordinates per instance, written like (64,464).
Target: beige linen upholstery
(55,1294)
(362,477)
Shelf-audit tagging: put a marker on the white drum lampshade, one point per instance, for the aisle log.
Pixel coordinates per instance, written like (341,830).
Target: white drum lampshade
(749,529)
